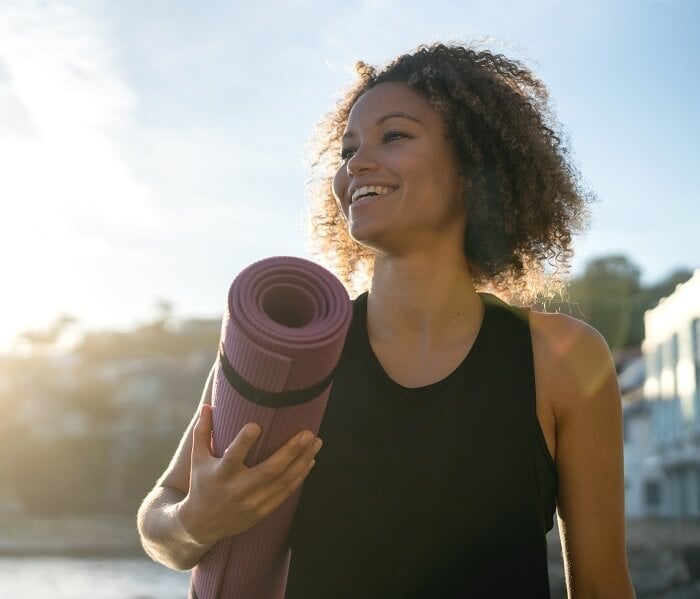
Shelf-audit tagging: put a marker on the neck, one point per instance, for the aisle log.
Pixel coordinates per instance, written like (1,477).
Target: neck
(423,299)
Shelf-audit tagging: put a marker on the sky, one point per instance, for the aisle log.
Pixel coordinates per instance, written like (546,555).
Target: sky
(151,150)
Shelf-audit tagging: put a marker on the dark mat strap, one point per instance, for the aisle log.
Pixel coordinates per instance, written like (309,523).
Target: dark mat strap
(268,398)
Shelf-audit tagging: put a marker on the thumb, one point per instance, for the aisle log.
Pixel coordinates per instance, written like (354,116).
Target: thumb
(201,435)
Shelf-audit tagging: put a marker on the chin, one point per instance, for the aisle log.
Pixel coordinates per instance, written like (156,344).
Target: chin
(378,243)
(363,235)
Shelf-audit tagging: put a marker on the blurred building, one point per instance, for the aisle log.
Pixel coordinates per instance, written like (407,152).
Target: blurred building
(90,429)
(643,477)
(666,419)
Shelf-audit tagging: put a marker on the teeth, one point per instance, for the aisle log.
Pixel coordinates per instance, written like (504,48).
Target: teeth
(373,189)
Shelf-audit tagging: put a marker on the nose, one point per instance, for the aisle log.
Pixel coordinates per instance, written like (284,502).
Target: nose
(362,160)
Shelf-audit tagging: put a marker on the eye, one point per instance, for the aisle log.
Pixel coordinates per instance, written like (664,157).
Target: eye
(393,135)
(347,153)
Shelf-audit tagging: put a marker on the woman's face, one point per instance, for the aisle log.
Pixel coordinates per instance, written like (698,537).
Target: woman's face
(398,185)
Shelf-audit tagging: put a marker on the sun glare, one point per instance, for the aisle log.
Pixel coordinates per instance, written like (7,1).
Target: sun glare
(64,188)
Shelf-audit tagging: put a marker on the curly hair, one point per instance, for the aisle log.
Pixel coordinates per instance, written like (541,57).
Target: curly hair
(525,200)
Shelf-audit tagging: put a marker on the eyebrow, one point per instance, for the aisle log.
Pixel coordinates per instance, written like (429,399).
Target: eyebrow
(386,117)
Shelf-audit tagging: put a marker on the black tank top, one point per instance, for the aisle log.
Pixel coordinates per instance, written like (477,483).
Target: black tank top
(439,491)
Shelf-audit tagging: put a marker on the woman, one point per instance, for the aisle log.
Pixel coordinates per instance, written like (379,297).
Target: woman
(455,421)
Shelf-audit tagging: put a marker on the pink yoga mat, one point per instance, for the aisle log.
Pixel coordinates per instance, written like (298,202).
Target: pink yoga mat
(281,338)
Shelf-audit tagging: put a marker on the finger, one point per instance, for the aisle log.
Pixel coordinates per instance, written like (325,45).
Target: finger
(270,504)
(265,486)
(236,452)
(201,435)
(273,467)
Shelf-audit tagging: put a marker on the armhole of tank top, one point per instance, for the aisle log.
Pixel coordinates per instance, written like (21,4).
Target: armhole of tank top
(543,447)
(542,442)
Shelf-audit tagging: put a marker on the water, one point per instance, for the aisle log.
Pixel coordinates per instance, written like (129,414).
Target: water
(133,578)
(79,578)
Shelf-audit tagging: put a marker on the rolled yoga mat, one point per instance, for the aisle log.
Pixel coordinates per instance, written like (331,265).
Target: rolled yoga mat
(281,339)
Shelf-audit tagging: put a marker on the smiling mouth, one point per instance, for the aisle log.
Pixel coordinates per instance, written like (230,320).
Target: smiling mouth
(369,191)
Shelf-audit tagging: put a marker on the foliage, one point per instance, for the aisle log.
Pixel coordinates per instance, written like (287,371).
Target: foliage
(91,432)
(609,296)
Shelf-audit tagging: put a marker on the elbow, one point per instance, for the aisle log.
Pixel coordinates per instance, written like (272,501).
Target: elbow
(182,566)
(170,560)
(166,555)
(144,526)
(160,534)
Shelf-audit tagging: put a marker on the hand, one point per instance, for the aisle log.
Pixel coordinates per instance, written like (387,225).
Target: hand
(225,496)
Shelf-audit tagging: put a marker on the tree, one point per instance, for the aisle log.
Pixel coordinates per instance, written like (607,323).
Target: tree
(606,296)
(42,340)
(609,296)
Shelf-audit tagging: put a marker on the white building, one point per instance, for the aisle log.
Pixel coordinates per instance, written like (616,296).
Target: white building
(643,476)
(671,350)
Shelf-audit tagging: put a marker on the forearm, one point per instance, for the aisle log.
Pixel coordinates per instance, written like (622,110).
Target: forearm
(163,536)
(613,584)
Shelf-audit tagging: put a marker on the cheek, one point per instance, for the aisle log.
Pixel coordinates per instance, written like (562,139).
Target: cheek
(340,185)
(452,183)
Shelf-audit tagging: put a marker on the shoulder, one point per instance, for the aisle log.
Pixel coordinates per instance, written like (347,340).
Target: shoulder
(565,334)
(572,360)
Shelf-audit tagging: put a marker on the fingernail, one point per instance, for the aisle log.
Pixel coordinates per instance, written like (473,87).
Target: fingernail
(317,444)
(306,438)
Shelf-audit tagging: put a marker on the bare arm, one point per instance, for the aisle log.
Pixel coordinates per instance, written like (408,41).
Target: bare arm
(576,371)
(201,499)
(162,535)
